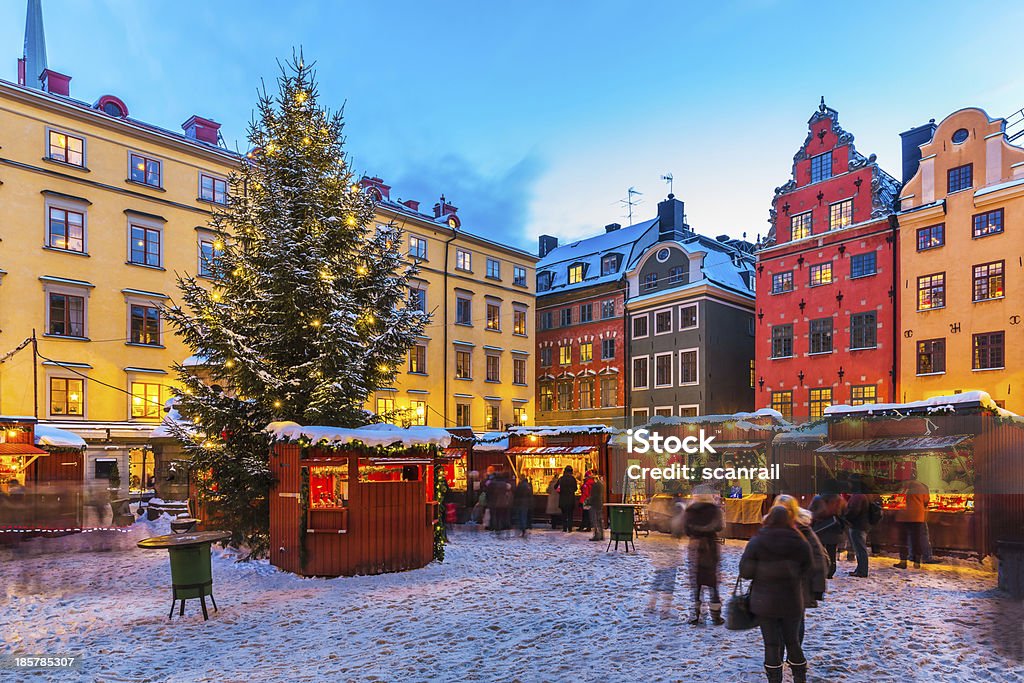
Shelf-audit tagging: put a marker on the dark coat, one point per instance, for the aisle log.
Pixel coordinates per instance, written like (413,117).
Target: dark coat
(857,512)
(827,518)
(523,497)
(702,522)
(567,487)
(816,581)
(777,560)
(595,499)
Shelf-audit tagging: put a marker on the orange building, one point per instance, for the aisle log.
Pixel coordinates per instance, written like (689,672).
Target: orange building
(961,268)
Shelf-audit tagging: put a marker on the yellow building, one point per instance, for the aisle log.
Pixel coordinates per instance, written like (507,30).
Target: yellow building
(962,298)
(98,212)
(473,365)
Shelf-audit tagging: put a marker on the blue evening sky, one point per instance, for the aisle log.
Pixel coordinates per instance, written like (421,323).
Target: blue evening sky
(535,117)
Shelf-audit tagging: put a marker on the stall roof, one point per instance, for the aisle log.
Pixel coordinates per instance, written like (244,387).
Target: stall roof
(48,435)
(370,435)
(563,430)
(550,450)
(491,441)
(902,444)
(20,449)
(935,404)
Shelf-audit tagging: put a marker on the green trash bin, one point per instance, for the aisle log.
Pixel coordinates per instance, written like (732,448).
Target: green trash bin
(191,570)
(621,524)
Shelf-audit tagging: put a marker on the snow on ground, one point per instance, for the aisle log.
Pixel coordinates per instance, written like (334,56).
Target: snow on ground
(553,607)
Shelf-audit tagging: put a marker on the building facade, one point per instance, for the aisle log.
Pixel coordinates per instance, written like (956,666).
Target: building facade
(473,366)
(961,285)
(827,319)
(690,322)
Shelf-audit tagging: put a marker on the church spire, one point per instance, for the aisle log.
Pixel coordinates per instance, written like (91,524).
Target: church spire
(35,45)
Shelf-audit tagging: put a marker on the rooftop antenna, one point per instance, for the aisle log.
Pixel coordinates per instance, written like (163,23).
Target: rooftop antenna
(629,202)
(668,179)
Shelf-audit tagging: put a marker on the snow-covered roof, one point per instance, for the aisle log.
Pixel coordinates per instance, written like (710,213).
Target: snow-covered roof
(491,441)
(626,241)
(741,419)
(370,435)
(935,404)
(815,433)
(57,438)
(561,430)
(195,361)
(172,416)
(724,264)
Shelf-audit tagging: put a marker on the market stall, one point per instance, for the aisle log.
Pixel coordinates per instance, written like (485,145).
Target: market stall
(355,501)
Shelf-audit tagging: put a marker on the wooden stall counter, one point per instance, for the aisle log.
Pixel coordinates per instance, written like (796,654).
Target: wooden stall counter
(743,515)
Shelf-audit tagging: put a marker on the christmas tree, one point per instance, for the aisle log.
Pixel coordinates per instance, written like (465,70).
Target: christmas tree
(308,312)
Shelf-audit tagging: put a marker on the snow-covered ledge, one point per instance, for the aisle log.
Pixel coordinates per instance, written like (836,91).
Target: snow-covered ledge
(370,435)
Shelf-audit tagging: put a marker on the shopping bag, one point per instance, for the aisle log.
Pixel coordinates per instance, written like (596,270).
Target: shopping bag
(738,616)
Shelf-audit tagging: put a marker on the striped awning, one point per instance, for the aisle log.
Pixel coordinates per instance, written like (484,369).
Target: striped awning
(551,450)
(903,444)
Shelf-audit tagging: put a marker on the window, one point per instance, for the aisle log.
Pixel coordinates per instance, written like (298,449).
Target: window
(519,276)
(545,356)
(932,237)
(519,321)
(547,397)
(418,359)
(463,260)
(821,167)
(752,374)
(988,281)
(988,223)
(687,317)
(144,325)
(862,265)
(663,412)
(494,269)
(146,401)
(607,349)
(607,309)
(145,170)
(462,415)
(663,322)
(492,416)
(663,370)
(564,355)
(782,282)
(417,247)
(545,321)
(609,391)
(677,275)
(543,282)
(575,273)
(688,367)
(463,365)
(931,356)
(67,315)
(863,395)
(820,399)
(864,330)
(960,178)
(104,468)
(66,148)
(418,299)
(418,409)
(207,257)
(988,350)
(782,341)
(586,313)
(145,248)
(493,372)
(519,371)
(640,327)
(609,264)
(519,415)
(840,214)
(67,396)
(800,226)
(931,291)
(821,274)
(385,406)
(493,316)
(565,396)
(782,401)
(66,230)
(650,281)
(213,189)
(463,311)
(688,411)
(565,317)
(641,374)
(821,335)
(586,394)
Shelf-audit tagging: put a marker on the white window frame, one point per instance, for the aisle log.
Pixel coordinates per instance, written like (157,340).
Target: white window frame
(632,373)
(632,326)
(150,157)
(64,204)
(199,181)
(136,300)
(67,289)
(645,413)
(695,350)
(497,270)
(66,133)
(671,412)
(461,254)
(517,281)
(671,322)
(60,373)
(671,369)
(687,406)
(135,220)
(426,248)
(696,317)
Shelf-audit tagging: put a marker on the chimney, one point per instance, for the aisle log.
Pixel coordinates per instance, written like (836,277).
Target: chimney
(612,227)
(671,220)
(912,141)
(443,208)
(56,83)
(203,130)
(547,244)
(723,238)
(411,204)
(374,183)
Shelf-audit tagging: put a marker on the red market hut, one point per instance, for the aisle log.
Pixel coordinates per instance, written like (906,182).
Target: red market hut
(355,501)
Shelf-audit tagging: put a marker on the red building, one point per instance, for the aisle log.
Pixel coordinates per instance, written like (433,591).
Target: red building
(827,328)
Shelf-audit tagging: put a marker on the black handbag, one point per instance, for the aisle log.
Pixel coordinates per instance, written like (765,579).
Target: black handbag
(738,616)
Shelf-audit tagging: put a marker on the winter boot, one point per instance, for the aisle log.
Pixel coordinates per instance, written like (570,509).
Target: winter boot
(799,672)
(902,564)
(716,614)
(695,621)
(774,673)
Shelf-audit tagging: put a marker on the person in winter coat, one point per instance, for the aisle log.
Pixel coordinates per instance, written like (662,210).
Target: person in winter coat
(567,487)
(552,509)
(858,516)
(588,481)
(595,503)
(816,583)
(828,523)
(499,496)
(777,560)
(911,520)
(522,501)
(702,522)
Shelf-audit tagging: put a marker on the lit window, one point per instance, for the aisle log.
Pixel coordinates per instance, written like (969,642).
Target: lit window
(863,395)
(418,409)
(988,223)
(145,170)
(463,365)
(67,315)
(782,401)
(931,291)
(493,316)
(67,396)
(418,359)
(462,415)
(213,189)
(821,274)
(519,321)
(609,391)
(586,352)
(547,397)
(144,325)
(493,369)
(67,149)
(463,260)
(931,237)
(840,214)
(565,396)
(820,399)
(417,247)
(385,406)
(492,418)
(988,281)
(564,355)
(989,351)
(145,249)
(575,273)
(782,282)
(931,356)
(519,415)
(800,226)
(66,230)
(146,401)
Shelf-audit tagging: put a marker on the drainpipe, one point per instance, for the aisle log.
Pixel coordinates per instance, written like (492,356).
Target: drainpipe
(445,327)
(894,373)
(627,370)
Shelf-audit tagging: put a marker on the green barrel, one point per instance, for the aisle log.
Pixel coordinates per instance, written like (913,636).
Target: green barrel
(621,523)
(190,566)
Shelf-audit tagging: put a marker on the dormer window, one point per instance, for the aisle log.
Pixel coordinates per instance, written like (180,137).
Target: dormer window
(543,282)
(650,281)
(576,273)
(610,264)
